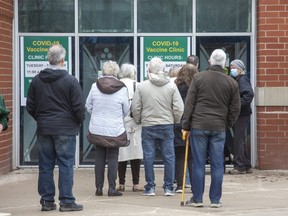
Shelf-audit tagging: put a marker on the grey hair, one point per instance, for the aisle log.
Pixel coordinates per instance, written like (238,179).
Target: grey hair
(156,65)
(218,57)
(127,71)
(174,71)
(110,68)
(55,54)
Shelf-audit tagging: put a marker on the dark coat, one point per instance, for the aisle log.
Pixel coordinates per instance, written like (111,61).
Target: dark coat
(212,102)
(55,100)
(246,94)
(178,141)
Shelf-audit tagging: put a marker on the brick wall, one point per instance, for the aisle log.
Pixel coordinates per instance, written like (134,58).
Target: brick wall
(6,38)
(272,71)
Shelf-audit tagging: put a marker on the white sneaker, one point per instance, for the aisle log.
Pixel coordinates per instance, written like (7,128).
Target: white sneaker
(168,192)
(150,192)
(215,205)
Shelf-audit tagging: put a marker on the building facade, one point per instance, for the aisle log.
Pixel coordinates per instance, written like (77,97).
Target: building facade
(133,31)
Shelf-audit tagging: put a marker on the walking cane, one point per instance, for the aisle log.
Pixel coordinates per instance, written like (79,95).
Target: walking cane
(185,136)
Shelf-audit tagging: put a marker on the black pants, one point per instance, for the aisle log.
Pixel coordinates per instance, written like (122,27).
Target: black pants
(102,155)
(241,159)
(179,164)
(135,169)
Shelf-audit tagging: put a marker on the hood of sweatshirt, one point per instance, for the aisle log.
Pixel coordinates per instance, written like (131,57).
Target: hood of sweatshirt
(49,75)
(159,79)
(109,84)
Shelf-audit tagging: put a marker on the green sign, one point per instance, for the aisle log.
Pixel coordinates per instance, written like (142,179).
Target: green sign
(172,50)
(34,58)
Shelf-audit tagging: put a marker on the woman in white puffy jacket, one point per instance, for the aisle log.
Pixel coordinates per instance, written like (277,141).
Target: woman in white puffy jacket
(108,104)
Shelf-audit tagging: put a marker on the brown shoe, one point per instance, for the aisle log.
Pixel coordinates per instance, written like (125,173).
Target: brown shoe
(236,172)
(137,188)
(121,188)
(249,171)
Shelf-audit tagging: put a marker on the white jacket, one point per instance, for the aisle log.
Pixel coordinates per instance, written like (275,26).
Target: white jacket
(134,150)
(107,111)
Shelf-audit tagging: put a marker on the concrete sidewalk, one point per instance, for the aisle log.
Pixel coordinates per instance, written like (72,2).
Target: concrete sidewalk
(262,193)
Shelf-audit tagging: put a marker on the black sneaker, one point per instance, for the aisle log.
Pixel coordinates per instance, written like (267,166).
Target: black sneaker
(47,205)
(71,207)
(193,203)
(114,192)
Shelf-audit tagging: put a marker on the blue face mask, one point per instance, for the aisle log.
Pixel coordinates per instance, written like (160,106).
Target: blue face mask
(233,72)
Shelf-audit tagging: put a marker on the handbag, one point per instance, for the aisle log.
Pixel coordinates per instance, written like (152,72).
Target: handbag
(107,141)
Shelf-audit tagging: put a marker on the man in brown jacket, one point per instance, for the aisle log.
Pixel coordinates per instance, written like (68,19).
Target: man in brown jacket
(212,105)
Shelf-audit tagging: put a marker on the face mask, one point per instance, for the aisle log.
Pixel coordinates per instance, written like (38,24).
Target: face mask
(233,72)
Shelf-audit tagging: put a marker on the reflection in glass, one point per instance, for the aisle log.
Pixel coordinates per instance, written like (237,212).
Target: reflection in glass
(235,48)
(106,15)
(46,16)
(94,51)
(165,16)
(28,147)
(223,15)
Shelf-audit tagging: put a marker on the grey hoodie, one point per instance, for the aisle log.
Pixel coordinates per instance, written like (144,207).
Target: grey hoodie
(157,101)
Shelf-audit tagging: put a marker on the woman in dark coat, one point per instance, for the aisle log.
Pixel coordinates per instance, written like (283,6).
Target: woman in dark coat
(183,82)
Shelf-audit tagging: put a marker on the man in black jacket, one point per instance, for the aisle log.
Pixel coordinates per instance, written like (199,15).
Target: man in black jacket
(212,105)
(241,161)
(55,100)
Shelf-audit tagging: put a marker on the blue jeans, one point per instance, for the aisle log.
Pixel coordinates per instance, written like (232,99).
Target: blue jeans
(211,142)
(61,149)
(162,135)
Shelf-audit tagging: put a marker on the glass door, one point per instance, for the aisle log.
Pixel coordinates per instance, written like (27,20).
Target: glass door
(94,51)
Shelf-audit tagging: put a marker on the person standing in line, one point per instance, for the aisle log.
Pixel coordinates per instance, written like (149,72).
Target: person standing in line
(108,104)
(173,73)
(4,115)
(157,105)
(212,104)
(55,100)
(133,152)
(193,59)
(183,81)
(241,159)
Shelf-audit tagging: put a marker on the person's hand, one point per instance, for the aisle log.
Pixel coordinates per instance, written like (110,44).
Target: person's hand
(185,134)
(1,128)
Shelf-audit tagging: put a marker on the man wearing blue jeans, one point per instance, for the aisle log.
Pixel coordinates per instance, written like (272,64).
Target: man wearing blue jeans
(157,105)
(212,105)
(55,100)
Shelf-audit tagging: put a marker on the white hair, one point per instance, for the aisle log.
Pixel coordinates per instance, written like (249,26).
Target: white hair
(55,54)
(110,68)
(218,57)
(156,65)
(127,71)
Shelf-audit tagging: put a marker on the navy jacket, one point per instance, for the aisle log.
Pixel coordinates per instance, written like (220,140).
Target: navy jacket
(246,94)
(55,100)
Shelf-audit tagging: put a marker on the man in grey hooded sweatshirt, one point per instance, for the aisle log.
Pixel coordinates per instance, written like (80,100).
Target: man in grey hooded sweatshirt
(157,105)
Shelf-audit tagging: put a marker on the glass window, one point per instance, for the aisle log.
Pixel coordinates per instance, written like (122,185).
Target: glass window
(94,51)
(106,16)
(165,16)
(236,47)
(55,16)
(223,15)
(28,126)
